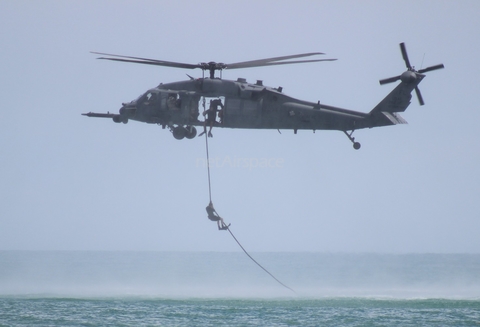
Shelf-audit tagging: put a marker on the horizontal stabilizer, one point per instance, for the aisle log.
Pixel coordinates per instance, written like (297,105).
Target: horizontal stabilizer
(394,117)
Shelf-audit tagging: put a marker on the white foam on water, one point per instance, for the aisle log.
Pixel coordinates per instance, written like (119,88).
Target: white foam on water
(233,275)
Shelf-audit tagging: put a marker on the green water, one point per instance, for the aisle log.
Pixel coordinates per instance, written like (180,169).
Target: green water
(237,312)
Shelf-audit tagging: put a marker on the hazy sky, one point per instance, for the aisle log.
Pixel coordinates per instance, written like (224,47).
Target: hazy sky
(69,182)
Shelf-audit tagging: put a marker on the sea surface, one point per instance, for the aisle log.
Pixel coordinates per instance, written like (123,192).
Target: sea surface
(228,289)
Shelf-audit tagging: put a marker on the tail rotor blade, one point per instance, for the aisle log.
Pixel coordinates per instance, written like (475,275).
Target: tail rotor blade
(419,96)
(389,80)
(429,69)
(405,55)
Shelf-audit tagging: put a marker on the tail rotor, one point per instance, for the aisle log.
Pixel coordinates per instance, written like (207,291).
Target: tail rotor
(411,74)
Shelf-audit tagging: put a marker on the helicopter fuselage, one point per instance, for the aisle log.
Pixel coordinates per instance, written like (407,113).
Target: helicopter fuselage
(246,105)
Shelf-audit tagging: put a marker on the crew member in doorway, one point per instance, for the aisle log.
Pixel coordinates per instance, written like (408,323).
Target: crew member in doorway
(213,216)
(211,116)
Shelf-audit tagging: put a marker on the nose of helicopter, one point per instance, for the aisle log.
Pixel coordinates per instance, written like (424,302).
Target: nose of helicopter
(122,110)
(128,107)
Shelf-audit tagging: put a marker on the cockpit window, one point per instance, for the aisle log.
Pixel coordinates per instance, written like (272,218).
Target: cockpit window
(148,98)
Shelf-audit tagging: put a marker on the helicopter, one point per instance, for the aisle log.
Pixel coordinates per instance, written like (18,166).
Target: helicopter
(255,106)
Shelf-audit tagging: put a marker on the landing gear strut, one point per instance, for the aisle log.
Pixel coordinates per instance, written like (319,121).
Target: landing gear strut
(356,145)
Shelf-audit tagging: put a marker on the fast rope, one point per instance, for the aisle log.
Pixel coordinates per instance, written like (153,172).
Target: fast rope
(228,228)
(208,158)
(208,169)
(258,263)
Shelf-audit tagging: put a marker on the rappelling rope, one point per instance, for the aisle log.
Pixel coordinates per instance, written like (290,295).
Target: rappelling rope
(258,263)
(208,169)
(208,158)
(228,228)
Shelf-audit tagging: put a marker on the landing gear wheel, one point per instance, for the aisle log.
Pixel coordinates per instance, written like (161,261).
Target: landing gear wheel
(356,145)
(120,119)
(179,132)
(191,132)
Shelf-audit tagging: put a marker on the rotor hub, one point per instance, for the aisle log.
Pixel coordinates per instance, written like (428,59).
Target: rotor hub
(408,76)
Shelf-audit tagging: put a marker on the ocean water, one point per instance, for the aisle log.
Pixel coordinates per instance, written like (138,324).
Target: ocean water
(228,289)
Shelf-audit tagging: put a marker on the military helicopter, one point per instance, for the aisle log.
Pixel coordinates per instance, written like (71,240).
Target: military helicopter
(256,106)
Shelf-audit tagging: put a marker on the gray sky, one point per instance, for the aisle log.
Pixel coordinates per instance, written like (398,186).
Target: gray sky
(70,182)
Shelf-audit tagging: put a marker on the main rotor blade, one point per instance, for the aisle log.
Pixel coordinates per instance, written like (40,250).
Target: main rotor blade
(405,55)
(244,64)
(419,96)
(120,56)
(266,61)
(389,80)
(428,69)
(277,63)
(146,61)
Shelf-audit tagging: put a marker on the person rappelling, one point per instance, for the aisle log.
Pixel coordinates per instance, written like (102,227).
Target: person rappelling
(211,116)
(213,216)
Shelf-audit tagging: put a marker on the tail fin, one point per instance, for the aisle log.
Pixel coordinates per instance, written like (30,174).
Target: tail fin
(399,99)
(386,112)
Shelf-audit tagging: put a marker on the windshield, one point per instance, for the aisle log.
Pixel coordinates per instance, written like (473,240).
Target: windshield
(148,96)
